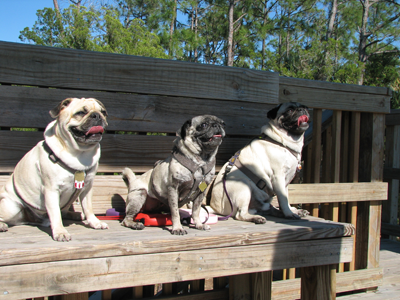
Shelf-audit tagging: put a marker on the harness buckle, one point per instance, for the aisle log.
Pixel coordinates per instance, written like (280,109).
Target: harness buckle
(261,184)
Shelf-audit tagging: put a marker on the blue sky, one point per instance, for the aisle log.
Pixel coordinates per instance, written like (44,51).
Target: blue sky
(15,15)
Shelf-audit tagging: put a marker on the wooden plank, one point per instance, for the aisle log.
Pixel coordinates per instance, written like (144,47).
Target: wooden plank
(240,287)
(76,276)
(130,112)
(139,152)
(371,169)
(250,286)
(336,162)
(392,160)
(353,172)
(262,285)
(340,192)
(110,192)
(391,229)
(345,282)
(393,118)
(79,296)
(318,282)
(67,68)
(317,152)
(34,245)
(327,95)
(209,295)
(391,173)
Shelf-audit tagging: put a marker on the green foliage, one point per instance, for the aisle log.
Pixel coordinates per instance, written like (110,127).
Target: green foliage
(291,37)
(95,30)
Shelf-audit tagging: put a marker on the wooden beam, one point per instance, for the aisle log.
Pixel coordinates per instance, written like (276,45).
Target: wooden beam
(345,282)
(391,229)
(393,118)
(318,282)
(391,173)
(116,272)
(68,68)
(328,95)
(130,112)
(138,152)
(371,169)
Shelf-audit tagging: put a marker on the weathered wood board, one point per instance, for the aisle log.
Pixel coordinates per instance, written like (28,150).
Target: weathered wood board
(68,68)
(122,257)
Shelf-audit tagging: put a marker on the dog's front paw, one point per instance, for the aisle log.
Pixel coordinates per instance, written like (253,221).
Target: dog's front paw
(303,213)
(259,220)
(179,231)
(203,227)
(3,227)
(132,224)
(61,235)
(99,225)
(96,223)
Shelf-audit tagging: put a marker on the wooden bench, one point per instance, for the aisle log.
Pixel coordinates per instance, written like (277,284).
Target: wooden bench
(145,96)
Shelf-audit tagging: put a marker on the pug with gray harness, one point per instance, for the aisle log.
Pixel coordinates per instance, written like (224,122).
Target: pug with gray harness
(254,175)
(181,178)
(58,170)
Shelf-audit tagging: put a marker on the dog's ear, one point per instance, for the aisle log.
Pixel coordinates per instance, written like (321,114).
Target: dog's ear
(182,131)
(273,112)
(103,107)
(56,110)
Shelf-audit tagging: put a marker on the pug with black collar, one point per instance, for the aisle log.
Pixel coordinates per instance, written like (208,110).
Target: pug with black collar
(263,168)
(58,170)
(179,179)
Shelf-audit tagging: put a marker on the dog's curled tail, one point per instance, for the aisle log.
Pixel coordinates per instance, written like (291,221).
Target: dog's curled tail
(128,176)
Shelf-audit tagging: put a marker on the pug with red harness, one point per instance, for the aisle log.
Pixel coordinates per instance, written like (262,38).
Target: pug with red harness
(263,169)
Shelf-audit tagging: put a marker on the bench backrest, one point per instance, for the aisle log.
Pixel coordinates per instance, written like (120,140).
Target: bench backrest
(145,96)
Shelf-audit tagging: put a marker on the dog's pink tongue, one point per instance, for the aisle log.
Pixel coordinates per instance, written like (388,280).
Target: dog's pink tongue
(302,119)
(95,129)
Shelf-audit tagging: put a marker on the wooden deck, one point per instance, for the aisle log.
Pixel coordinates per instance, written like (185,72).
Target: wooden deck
(33,265)
(390,262)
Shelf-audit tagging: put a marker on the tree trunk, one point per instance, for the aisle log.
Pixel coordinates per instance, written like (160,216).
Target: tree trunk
(362,51)
(230,33)
(332,17)
(56,7)
(172,28)
(195,33)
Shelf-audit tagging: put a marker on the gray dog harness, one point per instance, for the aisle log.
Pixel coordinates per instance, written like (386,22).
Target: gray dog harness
(198,185)
(259,182)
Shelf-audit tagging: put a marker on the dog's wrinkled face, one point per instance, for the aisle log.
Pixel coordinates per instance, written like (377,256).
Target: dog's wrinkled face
(291,116)
(205,131)
(84,119)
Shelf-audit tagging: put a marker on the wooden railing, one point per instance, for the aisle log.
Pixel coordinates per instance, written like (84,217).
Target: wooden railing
(390,212)
(343,158)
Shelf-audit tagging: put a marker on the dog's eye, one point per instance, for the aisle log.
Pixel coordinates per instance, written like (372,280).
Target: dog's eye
(80,113)
(104,113)
(202,126)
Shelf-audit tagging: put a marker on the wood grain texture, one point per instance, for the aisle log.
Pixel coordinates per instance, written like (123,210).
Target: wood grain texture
(28,107)
(75,276)
(391,229)
(327,95)
(35,244)
(318,283)
(332,193)
(110,192)
(67,68)
(393,118)
(392,160)
(345,282)
(139,152)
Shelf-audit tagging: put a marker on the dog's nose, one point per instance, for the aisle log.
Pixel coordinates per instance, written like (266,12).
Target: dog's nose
(95,116)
